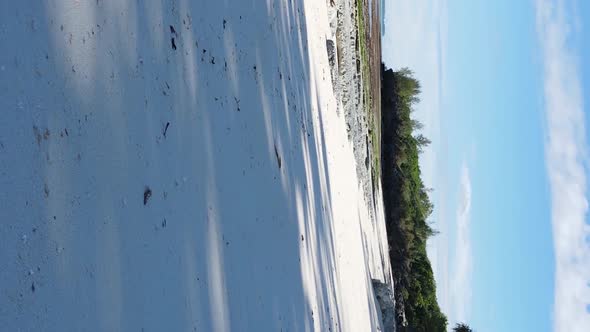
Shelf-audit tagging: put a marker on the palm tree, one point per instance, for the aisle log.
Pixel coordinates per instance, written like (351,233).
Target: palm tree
(460,327)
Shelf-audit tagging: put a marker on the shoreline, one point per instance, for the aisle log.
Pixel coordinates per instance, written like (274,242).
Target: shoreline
(356,76)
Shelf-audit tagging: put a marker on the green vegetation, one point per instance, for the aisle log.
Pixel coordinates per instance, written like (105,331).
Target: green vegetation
(407,205)
(460,327)
(363,53)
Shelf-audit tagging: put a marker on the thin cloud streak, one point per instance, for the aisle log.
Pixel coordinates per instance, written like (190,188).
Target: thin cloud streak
(565,154)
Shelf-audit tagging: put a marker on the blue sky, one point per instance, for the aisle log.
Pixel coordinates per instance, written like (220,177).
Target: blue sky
(503,101)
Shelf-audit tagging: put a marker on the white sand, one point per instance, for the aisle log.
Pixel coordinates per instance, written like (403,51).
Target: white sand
(231,238)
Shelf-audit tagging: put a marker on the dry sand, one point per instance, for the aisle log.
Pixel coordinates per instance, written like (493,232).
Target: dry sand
(178,166)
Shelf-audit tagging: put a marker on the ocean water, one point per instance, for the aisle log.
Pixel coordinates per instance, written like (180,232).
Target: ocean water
(381,4)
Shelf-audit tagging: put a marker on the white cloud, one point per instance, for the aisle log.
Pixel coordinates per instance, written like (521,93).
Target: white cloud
(565,153)
(461,282)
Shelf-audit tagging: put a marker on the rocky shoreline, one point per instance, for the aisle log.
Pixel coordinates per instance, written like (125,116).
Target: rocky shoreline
(342,48)
(347,80)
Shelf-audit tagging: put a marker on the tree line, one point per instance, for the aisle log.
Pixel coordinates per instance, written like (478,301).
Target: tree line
(408,206)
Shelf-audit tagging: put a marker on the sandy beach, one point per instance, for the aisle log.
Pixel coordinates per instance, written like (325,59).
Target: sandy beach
(180,166)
